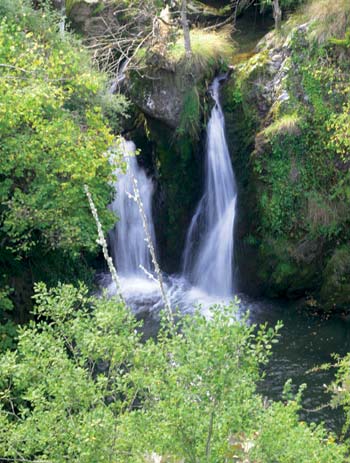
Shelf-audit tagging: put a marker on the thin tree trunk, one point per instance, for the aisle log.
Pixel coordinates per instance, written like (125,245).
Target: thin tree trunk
(61,6)
(185,28)
(277,14)
(63,18)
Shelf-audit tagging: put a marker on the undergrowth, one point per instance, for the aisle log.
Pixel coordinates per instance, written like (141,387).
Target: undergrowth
(300,164)
(83,387)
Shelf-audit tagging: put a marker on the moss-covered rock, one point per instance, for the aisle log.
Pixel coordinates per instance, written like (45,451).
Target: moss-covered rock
(161,92)
(287,107)
(170,91)
(335,290)
(168,80)
(178,168)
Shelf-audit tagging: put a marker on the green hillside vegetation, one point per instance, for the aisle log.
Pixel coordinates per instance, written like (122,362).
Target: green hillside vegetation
(54,138)
(80,380)
(301,156)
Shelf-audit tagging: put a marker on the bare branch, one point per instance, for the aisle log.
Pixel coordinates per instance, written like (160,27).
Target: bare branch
(102,242)
(138,200)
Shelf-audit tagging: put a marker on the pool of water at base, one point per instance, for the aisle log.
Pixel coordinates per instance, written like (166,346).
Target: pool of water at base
(306,340)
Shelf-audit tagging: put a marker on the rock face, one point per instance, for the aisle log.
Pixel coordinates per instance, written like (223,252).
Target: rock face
(335,290)
(170,95)
(270,68)
(160,88)
(159,93)
(292,232)
(168,101)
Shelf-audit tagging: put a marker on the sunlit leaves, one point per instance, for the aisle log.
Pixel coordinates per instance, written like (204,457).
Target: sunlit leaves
(54,139)
(83,387)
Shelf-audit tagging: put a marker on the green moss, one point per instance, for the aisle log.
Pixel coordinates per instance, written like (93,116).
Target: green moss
(177,167)
(335,291)
(190,119)
(287,269)
(298,161)
(345,42)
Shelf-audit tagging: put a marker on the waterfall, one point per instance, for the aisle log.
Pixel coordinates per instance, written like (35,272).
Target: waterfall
(208,254)
(129,248)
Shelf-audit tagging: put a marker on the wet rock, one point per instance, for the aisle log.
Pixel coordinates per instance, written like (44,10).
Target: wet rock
(158,94)
(335,291)
(82,17)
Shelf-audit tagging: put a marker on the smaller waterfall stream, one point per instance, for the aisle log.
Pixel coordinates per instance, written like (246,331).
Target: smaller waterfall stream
(129,248)
(208,255)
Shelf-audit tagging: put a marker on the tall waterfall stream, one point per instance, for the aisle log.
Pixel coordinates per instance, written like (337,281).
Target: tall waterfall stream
(207,276)
(208,272)
(208,254)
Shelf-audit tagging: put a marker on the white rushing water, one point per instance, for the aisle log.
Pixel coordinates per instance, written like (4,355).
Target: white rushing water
(129,248)
(208,254)
(207,276)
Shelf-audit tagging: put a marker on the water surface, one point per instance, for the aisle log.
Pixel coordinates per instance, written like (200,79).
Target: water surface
(306,340)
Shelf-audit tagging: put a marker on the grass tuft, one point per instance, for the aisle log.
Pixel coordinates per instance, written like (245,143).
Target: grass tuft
(285,125)
(332,18)
(208,48)
(190,115)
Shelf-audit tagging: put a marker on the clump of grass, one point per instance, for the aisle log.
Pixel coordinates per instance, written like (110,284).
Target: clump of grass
(285,125)
(345,42)
(321,213)
(208,48)
(332,18)
(190,115)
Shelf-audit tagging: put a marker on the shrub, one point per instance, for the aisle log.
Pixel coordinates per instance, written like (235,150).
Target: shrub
(54,138)
(82,387)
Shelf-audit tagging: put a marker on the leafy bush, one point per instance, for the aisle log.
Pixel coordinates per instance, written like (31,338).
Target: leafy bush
(83,387)
(341,388)
(54,138)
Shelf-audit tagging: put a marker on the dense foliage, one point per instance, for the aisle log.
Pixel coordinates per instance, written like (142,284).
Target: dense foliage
(83,387)
(79,383)
(54,138)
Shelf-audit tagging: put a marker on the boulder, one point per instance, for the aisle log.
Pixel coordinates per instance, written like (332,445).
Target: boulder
(335,290)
